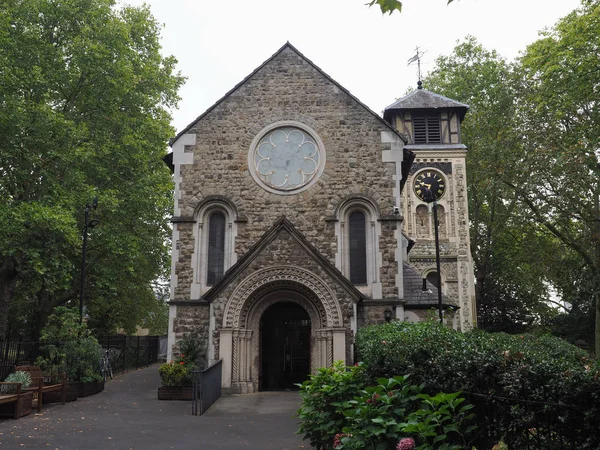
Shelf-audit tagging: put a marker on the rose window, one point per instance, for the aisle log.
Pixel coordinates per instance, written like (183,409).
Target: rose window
(286,159)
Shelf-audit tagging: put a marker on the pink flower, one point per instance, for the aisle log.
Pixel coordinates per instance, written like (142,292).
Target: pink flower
(406,444)
(337,440)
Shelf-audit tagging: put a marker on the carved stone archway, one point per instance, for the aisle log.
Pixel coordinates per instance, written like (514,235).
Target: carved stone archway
(239,335)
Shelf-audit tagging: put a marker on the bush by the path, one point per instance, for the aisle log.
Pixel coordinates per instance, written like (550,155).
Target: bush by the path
(556,386)
(340,411)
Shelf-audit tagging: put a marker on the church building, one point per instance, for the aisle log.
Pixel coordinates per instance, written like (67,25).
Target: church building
(299,217)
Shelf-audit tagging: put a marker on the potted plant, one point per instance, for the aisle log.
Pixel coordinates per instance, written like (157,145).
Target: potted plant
(25,399)
(177,375)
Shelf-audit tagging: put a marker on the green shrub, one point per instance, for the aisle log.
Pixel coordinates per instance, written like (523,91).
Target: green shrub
(69,347)
(190,349)
(322,396)
(16,377)
(393,409)
(174,374)
(339,411)
(540,371)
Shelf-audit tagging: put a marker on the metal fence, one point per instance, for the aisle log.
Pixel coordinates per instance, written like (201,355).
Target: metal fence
(130,352)
(126,352)
(206,388)
(562,424)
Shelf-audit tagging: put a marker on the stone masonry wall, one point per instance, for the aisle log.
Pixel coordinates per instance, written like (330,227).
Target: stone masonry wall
(287,88)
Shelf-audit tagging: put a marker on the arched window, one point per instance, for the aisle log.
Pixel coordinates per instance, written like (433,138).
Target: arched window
(358,256)
(357,236)
(215,261)
(432,277)
(214,252)
(422,221)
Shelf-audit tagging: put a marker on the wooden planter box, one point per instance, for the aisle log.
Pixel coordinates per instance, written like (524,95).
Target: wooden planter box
(8,409)
(56,396)
(88,388)
(175,393)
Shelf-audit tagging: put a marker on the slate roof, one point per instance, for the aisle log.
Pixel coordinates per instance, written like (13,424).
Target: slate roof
(414,294)
(424,99)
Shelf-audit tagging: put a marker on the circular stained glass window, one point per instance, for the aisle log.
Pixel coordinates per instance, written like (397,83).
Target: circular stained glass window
(286,159)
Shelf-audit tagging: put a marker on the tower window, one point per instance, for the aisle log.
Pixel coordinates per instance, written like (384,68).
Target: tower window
(427,129)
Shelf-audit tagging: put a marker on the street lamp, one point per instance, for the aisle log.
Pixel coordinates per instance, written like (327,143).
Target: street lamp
(431,198)
(87,224)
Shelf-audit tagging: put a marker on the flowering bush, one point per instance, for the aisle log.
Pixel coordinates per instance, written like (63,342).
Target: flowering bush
(531,369)
(406,444)
(339,411)
(322,395)
(174,374)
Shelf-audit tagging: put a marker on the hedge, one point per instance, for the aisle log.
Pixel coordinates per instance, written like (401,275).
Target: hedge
(526,387)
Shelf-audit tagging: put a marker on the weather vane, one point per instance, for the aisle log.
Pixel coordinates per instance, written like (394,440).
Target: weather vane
(417,58)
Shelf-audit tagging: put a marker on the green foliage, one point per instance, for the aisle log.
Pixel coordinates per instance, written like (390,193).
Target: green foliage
(85,95)
(510,254)
(69,347)
(392,409)
(190,348)
(339,409)
(389,6)
(560,184)
(322,395)
(174,374)
(534,368)
(16,377)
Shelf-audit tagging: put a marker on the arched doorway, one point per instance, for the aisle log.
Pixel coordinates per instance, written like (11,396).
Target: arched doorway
(285,329)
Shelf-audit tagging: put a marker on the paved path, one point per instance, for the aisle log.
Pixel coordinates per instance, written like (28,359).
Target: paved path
(127,415)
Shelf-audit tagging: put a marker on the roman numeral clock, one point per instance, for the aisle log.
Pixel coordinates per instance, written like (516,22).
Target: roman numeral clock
(429,182)
(431,124)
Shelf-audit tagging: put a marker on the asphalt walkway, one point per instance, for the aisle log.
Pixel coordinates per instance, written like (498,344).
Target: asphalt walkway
(127,415)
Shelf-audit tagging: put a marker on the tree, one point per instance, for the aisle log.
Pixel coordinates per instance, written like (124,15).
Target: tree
(511,285)
(389,6)
(560,113)
(85,93)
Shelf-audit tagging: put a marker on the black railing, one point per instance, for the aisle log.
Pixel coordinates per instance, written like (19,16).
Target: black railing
(130,352)
(126,352)
(206,388)
(534,425)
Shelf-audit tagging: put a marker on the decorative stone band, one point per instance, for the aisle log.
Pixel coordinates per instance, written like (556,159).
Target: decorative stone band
(238,305)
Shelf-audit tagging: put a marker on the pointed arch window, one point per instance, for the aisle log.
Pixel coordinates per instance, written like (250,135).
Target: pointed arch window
(357,234)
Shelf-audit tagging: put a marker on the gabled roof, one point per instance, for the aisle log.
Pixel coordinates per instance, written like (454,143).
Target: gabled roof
(318,69)
(283,224)
(414,294)
(424,99)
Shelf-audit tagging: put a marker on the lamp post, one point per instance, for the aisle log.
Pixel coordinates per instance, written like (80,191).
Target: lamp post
(87,224)
(430,198)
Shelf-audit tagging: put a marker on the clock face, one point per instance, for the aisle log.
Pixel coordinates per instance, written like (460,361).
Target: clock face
(430,180)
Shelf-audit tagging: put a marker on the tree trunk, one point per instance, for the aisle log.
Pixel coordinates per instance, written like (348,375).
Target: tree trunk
(597,334)
(8,282)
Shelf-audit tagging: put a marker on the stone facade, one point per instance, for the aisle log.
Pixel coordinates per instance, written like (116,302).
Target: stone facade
(446,157)
(286,246)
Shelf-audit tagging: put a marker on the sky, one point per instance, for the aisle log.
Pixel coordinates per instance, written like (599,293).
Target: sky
(219,42)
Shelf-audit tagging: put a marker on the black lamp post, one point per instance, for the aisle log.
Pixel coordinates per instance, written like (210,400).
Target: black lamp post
(87,224)
(430,198)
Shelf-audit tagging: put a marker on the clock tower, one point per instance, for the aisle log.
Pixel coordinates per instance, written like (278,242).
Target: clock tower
(431,123)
